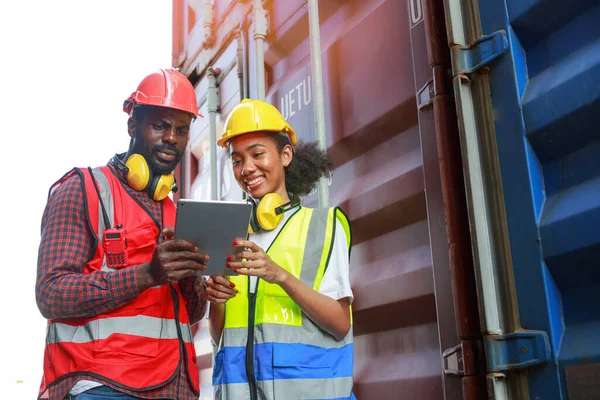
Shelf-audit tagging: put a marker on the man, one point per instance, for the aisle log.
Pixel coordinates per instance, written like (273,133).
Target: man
(119,292)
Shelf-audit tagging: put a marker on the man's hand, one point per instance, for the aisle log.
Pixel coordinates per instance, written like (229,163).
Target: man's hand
(172,261)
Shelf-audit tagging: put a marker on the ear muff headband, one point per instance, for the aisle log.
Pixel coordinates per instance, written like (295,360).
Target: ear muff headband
(269,211)
(140,178)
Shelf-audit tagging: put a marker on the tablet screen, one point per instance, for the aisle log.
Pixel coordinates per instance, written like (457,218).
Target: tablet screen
(213,226)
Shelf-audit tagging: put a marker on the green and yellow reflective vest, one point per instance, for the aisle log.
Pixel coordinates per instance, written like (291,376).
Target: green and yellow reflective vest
(269,348)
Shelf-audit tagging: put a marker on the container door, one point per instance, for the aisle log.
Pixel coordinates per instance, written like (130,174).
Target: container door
(461,347)
(527,82)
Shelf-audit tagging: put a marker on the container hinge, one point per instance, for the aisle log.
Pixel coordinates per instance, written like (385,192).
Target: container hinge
(437,85)
(515,351)
(469,59)
(426,95)
(465,359)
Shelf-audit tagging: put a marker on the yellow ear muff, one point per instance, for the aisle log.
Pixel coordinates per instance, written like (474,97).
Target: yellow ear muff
(269,211)
(161,187)
(140,178)
(266,215)
(139,173)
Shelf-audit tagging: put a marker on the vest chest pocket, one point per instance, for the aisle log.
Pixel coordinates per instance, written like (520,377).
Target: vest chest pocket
(274,306)
(301,372)
(141,242)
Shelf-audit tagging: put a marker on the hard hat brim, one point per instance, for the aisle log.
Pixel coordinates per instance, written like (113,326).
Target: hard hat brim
(225,140)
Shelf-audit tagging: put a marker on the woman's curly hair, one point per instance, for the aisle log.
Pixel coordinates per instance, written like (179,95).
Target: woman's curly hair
(308,165)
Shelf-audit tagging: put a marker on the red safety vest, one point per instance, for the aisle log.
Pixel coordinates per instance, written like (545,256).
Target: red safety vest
(143,344)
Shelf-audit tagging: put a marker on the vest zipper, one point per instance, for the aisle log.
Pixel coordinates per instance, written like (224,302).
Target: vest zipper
(250,343)
(182,348)
(251,315)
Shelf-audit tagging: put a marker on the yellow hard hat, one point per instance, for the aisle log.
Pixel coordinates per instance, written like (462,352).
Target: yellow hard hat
(254,116)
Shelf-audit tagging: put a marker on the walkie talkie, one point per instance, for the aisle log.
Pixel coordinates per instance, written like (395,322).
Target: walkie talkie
(115,247)
(114,238)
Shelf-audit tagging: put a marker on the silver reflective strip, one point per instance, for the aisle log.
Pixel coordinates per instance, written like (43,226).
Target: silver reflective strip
(313,248)
(308,333)
(107,200)
(234,391)
(289,389)
(234,337)
(265,390)
(139,325)
(331,388)
(186,333)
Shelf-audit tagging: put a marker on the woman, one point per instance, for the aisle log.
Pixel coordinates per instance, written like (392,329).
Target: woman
(282,324)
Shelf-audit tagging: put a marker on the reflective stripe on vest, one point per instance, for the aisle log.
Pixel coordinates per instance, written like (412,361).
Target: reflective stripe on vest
(313,249)
(298,354)
(107,200)
(284,334)
(326,389)
(99,329)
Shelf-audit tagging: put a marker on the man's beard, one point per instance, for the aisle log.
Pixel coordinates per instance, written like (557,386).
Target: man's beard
(161,169)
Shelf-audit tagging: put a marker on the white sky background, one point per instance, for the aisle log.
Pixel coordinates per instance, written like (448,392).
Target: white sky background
(66,66)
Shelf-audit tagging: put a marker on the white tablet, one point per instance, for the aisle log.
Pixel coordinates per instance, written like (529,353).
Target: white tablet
(213,226)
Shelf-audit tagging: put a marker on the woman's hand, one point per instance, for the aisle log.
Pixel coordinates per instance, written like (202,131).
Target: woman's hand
(257,263)
(331,315)
(219,289)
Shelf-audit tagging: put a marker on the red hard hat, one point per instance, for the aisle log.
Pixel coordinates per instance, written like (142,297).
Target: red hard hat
(164,88)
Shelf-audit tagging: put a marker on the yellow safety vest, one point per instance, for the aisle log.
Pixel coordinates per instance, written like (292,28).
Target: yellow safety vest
(269,348)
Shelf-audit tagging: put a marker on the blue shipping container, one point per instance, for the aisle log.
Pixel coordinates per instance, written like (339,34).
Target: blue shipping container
(527,83)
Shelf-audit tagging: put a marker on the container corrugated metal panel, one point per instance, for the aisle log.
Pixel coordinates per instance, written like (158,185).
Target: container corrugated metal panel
(546,99)
(198,187)
(374,138)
